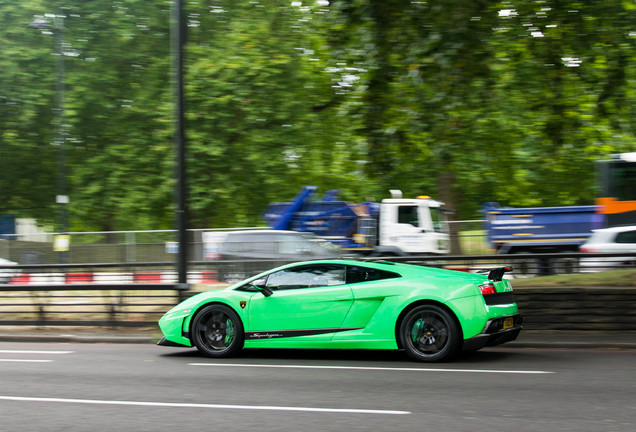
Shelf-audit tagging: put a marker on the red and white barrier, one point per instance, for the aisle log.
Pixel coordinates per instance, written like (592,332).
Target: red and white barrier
(141,277)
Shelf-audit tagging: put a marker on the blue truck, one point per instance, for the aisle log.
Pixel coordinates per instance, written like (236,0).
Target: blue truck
(395,226)
(564,229)
(541,230)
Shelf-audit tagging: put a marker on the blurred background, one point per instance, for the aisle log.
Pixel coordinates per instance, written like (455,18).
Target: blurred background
(469,102)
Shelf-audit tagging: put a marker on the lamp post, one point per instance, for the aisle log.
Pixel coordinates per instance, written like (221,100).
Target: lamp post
(178,41)
(61,242)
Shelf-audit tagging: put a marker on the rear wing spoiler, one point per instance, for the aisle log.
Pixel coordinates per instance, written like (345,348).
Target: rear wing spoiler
(497,274)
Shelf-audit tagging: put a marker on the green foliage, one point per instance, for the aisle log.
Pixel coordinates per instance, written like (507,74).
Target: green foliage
(467,100)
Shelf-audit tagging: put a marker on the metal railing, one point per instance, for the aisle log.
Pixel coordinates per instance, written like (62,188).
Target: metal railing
(114,295)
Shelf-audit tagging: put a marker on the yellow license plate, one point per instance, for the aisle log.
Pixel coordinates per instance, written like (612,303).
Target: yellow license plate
(508,322)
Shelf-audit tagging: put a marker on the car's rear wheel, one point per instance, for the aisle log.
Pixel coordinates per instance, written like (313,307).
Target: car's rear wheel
(217,331)
(429,333)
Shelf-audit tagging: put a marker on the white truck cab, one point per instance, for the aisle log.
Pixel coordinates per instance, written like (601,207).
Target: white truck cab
(413,226)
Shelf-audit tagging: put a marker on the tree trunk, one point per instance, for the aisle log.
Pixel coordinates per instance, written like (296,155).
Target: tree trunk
(448,194)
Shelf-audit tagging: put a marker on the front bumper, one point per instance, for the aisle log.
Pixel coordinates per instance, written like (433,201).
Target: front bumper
(494,334)
(166,342)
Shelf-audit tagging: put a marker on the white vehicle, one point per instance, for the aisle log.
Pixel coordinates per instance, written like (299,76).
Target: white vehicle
(6,273)
(412,226)
(610,240)
(395,226)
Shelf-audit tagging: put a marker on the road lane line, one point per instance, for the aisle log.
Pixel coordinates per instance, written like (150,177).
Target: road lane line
(206,406)
(25,361)
(34,352)
(371,368)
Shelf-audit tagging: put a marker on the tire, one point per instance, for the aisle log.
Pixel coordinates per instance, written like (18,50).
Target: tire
(429,333)
(564,266)
(217,331)
(527,267)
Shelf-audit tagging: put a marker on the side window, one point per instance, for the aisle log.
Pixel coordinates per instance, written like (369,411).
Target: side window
(308,276)
(357,274)
(291,244)
(626,237)
(262,243)
(408,215)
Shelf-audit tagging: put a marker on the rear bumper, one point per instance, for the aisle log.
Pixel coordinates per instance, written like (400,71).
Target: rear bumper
(493,334)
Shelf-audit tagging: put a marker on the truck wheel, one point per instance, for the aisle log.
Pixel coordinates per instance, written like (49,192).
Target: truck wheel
(527,267)
(564,265)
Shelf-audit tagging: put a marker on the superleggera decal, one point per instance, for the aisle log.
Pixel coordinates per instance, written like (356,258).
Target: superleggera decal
(293,333)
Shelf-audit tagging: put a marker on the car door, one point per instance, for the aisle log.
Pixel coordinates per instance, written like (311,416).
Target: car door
(306,300)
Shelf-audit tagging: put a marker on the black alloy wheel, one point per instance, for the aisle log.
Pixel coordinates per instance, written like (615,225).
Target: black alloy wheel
(429,334)
(217,331)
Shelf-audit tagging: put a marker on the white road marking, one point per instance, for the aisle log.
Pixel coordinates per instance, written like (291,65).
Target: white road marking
(206,406)
(370,368)
(34,352)
(7,360)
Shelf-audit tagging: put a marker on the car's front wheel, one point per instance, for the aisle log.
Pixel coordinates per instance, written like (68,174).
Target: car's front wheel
(217,331)
(428,333)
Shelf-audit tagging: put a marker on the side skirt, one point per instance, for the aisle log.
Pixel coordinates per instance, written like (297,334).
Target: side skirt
(258,335)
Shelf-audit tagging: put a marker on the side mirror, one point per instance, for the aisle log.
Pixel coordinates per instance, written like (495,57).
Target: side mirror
(259,284)
(265,291)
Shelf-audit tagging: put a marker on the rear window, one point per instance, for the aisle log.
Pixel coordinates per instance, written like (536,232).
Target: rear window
(357,274)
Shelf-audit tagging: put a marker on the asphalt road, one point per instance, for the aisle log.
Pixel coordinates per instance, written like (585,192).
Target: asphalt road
(133,387)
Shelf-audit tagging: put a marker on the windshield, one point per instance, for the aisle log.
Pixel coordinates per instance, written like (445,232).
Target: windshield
(438,217)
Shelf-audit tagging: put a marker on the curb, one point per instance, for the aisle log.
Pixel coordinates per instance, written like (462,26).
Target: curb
(79,339)
(596,344)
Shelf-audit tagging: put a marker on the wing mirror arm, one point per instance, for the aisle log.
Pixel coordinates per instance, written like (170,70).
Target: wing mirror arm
(260,285)
(265,291)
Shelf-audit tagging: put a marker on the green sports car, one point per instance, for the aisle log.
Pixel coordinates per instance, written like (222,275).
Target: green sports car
(430,313)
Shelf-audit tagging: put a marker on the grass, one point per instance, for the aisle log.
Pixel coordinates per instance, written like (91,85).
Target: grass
(474,242)
(614,278)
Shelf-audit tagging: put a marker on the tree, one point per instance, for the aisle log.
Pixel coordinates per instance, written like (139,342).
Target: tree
(27,128)
(468,101)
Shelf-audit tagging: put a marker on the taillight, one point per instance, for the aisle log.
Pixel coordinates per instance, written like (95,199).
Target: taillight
(589,250)
(487,288)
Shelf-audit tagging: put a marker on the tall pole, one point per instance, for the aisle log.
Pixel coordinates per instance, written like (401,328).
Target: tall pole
(178,33)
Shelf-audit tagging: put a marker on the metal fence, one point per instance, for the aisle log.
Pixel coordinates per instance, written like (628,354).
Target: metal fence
(101,247)
(154,245)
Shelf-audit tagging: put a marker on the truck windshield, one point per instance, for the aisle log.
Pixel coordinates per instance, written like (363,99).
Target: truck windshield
(617,180)
(438,217)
